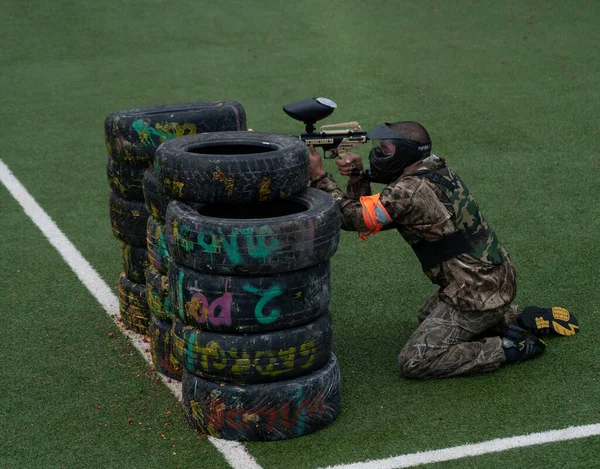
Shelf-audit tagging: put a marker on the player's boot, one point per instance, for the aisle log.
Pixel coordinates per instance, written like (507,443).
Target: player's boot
(547,321)
(520,344)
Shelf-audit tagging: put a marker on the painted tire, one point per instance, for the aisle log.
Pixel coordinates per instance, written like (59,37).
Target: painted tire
(157,292)
(134,262)
(249,304)
(133,305)
(132,136)
(128,220)
(264,412)
(232,167)
(154,196)
(161,348)
(281,236)
(253,358)
(158,254)
(125,179)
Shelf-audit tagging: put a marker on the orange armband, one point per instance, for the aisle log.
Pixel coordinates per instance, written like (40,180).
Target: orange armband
(374,214)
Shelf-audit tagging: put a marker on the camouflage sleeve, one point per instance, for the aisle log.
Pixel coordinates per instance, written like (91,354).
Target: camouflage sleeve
(413,203)
(358,187)
(410,202)
(350,208)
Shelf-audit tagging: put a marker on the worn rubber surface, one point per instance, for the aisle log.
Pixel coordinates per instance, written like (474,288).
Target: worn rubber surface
(133,305)
(128,220)
(154,196)
(125,179)
(252,239)
(253,358)
(232,167)
(132,136)
(134,262)
(158,254)
(157,292)
(161,348)
(264,412)
(251,304)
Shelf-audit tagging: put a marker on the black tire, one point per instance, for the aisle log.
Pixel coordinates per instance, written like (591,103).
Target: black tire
(249,304)
(132,136)
(133,305)
(158,254)
(161,349)
(264,412)
(154,196)
(134,262)
(253,358)
(232,167)
(128,220)
(157,292)
(251,239)
(125,179)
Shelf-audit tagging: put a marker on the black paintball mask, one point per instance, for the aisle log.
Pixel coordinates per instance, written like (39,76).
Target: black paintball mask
(391,153)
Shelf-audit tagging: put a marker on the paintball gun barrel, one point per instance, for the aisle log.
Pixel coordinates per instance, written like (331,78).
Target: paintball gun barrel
(335,139)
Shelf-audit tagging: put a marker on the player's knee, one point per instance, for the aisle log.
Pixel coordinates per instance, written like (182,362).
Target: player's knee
(411,365)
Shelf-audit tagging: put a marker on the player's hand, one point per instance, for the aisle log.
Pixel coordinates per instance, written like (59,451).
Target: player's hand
(347,162)
(316,164)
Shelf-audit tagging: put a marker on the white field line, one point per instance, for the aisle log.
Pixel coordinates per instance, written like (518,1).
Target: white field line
(477,449)
(235,453)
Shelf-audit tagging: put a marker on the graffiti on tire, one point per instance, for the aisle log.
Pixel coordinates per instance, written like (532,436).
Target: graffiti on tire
(164,132)
(256,242)
(218,311)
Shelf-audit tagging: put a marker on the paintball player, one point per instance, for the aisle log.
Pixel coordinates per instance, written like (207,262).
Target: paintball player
(469,324)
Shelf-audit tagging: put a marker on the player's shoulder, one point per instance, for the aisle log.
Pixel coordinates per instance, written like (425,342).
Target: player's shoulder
(404,187)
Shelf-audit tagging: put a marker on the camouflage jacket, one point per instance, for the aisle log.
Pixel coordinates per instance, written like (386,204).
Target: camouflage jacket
(420,210)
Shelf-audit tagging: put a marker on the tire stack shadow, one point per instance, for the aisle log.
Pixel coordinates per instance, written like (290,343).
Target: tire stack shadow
(248,248)
(137,209)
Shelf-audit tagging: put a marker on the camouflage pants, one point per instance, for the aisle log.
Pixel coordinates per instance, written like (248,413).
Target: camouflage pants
(450,342)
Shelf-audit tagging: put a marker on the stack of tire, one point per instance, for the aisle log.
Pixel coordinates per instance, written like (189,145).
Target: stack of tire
(249,284)
(138,206)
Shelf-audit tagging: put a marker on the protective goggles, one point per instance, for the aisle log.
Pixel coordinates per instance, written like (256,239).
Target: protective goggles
(383,136)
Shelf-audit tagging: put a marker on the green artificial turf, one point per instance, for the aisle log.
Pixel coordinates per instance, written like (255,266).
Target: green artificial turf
(74,392)
(509,93)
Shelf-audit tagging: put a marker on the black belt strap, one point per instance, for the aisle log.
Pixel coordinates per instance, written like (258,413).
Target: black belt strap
(433,253)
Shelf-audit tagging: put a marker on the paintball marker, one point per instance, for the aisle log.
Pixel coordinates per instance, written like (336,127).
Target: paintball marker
(335,139)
